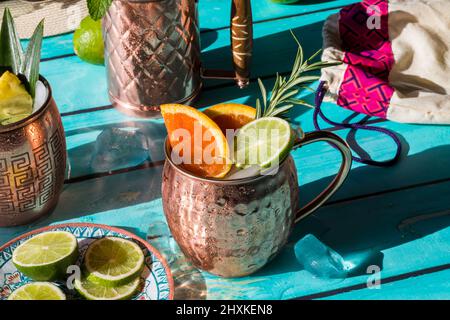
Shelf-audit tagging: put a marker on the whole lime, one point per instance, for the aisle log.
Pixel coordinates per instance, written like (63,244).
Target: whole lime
(88,41)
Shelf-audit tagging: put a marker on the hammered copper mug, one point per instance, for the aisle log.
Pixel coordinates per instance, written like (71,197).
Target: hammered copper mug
(152,53)
(32,164)
(232,228)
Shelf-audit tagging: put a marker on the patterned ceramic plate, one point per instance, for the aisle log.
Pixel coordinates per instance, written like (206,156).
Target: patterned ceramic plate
(157,278)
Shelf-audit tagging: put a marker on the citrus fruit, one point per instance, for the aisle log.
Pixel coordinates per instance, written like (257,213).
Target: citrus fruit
(231,115)
(113,261)
(46,256)
(263,142)
(197,140)
(15,101)
(93,291)
(88,41)
(38,291)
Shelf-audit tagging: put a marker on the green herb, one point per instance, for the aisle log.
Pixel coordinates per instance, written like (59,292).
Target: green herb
(30,66)
(11,54)
(98,8)
(282,97)
(11,51)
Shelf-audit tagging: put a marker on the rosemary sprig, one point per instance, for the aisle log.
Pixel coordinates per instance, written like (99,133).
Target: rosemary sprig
(282,97)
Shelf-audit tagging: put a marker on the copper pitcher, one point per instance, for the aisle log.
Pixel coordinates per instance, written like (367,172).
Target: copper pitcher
(232,228)
(32,164)
(152,53)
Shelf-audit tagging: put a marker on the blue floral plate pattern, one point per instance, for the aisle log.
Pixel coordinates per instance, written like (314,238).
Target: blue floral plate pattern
(156,278)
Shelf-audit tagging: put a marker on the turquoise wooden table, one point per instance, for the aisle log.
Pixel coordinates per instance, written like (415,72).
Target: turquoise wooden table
(402,213)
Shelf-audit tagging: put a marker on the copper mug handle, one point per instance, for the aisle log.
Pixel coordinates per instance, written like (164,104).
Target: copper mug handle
(241,37)
(340,177)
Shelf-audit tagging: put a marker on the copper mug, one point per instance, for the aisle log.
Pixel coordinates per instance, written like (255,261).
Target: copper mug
(32,164)
(232,228)
(152,53)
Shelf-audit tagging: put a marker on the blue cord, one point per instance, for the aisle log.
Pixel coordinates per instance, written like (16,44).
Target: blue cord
(320,94)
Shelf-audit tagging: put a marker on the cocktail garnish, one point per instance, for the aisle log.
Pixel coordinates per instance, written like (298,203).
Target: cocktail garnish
(282,98)
(11,52)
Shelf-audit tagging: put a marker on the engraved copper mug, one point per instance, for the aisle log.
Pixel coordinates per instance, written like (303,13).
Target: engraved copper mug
(232,228)
(152,53)
(32,164)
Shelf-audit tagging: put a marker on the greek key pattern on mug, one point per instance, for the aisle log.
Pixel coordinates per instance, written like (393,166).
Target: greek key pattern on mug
(27,180)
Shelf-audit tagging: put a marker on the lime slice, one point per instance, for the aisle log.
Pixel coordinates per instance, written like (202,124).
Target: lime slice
(88,41)
(263,142)
(93,291)
(113,262)
(38,291)
(45,257)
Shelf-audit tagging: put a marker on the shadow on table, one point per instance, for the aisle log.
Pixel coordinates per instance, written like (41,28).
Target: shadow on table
(112,178)
(376,220)
(119,164)
(115,147)
(125,144)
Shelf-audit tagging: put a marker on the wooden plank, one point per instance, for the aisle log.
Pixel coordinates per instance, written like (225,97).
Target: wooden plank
(131,199)
(424,146)
(434,286)
(213,15)
(90,80)
(367,224)
(409,227)
(55,46)
(128,195)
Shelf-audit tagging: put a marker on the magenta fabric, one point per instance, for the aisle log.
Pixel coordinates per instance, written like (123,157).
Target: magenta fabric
(368,54)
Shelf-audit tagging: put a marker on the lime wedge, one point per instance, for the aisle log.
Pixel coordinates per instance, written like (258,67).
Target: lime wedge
(263,142)
(93,291)
(45,257)
(113,262)
(38,291)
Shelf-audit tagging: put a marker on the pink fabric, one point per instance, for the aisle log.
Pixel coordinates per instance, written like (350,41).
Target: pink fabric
(368,54)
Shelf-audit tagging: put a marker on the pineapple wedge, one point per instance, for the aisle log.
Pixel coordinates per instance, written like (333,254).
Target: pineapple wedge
(15,102)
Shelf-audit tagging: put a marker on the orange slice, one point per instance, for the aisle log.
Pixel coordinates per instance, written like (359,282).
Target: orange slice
(231,115)
(196,141)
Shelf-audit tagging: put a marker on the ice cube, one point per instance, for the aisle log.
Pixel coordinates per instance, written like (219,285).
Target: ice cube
(119,148)
(159,236)
(319,259)
(40,96)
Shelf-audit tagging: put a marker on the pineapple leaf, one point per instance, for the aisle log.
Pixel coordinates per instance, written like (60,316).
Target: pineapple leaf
(30,66)
(98,8)
(11,52)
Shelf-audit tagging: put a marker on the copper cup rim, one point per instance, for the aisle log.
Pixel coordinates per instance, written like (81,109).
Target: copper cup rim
(246,180)
(34,115)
